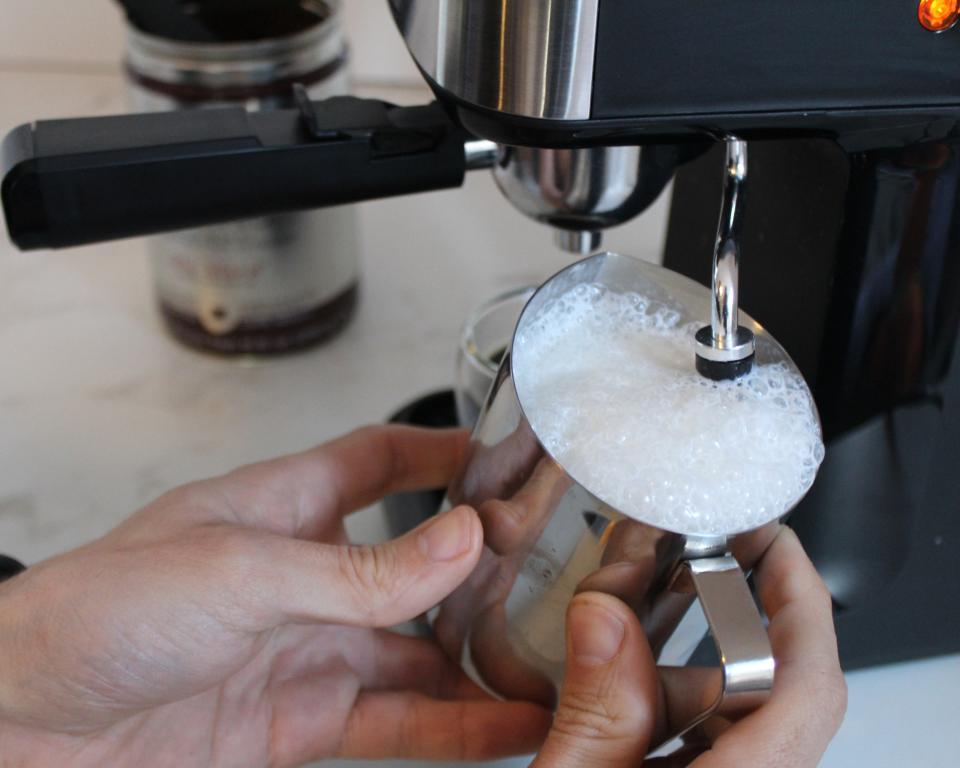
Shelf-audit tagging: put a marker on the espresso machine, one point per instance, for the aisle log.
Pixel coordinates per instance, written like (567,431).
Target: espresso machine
(585,110)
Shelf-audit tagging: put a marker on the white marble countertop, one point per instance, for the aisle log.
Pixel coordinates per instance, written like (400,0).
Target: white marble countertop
(101,411)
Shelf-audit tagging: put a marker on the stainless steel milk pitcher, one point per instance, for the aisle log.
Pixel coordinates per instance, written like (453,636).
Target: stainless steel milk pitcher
(547,537)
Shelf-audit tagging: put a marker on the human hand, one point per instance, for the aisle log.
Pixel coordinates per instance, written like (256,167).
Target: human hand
(473,619)
(230,623)
(611,705)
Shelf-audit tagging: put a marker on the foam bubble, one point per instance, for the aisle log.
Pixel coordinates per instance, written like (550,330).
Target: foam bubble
(608,383)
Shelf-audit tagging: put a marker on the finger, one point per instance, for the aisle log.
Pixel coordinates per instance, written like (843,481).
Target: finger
(365,465)
(372,586)
(481,589)
(499,470)
(307,716)
(686,693)
(494,655)
(299,495)
(379,660)
(417,664)
(411,726)
(809,693)
(607,704)
(514,524)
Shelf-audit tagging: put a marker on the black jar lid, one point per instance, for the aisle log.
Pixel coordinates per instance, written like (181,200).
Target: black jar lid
(224,21)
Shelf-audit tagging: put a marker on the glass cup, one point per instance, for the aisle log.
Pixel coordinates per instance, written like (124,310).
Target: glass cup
(485,337)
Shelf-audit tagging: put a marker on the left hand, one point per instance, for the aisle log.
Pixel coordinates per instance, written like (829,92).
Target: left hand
(230,623)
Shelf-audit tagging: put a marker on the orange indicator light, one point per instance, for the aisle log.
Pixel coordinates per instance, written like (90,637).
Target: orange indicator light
(939,15)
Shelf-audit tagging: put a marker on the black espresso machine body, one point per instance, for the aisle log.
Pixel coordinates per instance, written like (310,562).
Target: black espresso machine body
(855,269)
(576,72)
(850,243)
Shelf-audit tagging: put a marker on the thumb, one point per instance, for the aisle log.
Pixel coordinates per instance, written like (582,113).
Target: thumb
(607,704)
(379,585)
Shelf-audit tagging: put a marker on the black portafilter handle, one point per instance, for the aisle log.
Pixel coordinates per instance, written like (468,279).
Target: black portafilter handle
(71,182)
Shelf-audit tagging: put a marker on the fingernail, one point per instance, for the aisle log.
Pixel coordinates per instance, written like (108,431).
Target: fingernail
(447,537)
(595,634)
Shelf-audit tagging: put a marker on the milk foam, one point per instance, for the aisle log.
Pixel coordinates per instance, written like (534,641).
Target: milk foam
(608,384)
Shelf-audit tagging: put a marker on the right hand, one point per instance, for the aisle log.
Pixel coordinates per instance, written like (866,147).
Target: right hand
(608,716)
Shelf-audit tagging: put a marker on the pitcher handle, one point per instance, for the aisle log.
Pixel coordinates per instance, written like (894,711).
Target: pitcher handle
(746,658)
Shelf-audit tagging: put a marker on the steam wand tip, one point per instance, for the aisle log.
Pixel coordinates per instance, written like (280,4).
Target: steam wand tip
(725,350)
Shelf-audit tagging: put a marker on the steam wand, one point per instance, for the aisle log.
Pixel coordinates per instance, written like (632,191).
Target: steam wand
(725,350)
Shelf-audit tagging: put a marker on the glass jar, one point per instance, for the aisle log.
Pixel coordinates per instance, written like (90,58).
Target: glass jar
(270,284)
